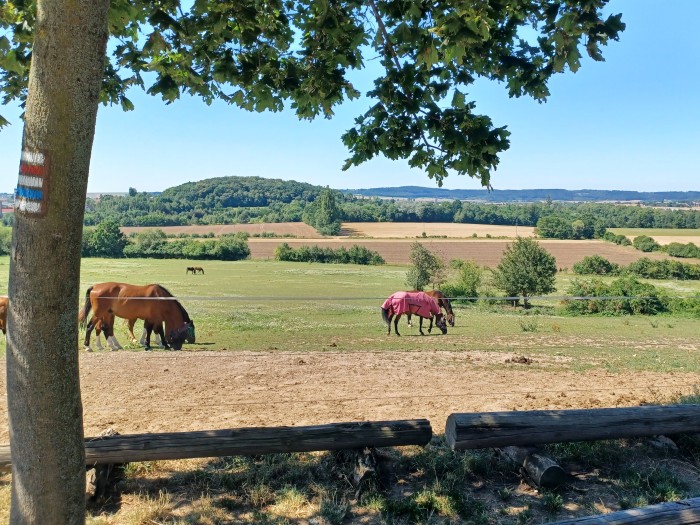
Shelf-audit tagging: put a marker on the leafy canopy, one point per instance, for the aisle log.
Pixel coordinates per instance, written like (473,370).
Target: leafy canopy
(525,269)
(265,54)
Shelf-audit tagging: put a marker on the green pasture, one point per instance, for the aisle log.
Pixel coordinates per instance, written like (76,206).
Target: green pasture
(303,307)
(656,232)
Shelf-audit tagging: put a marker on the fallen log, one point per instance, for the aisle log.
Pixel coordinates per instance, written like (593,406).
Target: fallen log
(534,427)
(249,441)
(538,469)
(685,512)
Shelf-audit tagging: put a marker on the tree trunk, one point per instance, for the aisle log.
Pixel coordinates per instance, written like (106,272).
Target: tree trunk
(45,410)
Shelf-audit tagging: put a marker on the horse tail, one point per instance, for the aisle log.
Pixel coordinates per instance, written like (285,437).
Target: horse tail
(83,315)
(385,315)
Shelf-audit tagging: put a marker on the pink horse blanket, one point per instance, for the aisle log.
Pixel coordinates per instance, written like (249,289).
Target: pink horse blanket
(416,303)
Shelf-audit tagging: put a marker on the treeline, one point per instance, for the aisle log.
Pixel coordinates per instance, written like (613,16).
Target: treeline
(106,240)
(242,200)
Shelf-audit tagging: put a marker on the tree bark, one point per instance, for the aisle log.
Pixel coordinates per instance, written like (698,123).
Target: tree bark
(44,405)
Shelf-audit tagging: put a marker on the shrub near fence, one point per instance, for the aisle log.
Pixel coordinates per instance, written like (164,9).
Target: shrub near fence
(624,296)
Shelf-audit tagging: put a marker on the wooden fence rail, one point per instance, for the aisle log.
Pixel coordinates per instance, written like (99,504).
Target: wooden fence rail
(535,427)
(250,441)
(686,512)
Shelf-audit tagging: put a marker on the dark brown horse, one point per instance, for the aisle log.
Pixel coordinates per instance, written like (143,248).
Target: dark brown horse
(417,303)
(443,302)
(154,304)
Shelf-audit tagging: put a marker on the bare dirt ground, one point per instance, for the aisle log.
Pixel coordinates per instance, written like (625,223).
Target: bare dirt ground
(135,392)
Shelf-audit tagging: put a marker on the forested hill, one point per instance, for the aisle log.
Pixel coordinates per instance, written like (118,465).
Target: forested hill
(231,200)
(537,195)
(229,192)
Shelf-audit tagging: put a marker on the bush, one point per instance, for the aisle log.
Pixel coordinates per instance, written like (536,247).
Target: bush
(617,239)
(624,296)
(355,255)
(677,249)
(596,265)
(646,244)
(5,240)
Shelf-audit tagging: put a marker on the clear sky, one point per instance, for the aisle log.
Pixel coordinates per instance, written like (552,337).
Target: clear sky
(629,123)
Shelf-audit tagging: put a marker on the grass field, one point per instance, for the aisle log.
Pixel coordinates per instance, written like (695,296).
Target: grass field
(297,343)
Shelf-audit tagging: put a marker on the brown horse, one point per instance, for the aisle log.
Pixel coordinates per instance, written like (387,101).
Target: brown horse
(418,303)
(194,270)
(4,303)
(442,302)
(152,303)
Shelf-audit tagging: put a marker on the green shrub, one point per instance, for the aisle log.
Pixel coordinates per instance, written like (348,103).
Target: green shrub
(677,249)
(355,255)
(596,265)
(645,243)
(624,296)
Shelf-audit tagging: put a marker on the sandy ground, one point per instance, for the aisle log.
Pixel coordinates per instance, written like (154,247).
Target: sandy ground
(136,392)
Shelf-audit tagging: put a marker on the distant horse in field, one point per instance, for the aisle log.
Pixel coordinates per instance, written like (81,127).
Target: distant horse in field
(154,304)
(4,304)
(417,303)
(194,270)
(443,302)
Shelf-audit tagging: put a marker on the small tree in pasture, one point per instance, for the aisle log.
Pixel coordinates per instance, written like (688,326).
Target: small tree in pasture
(526,269)
(426,267)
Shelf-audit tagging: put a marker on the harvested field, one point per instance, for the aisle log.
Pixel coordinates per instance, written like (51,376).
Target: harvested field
(379,230)
(484,252)
(400,230)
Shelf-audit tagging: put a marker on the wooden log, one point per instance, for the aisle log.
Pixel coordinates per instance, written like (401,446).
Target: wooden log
(250,441)
(685,512)
(537,468)
(534,427)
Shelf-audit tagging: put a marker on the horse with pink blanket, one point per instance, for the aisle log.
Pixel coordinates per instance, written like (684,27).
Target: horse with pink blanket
(415,303)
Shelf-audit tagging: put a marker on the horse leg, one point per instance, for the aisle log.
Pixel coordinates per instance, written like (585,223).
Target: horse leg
(112,339)
(161,333)
(420,325)
(430,328)
(408,318)
(396,324)
(132,337)
(88,330)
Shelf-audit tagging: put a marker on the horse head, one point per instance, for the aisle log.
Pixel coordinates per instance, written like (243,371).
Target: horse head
(178,336)
(190,336)
(451,319)
(440,323)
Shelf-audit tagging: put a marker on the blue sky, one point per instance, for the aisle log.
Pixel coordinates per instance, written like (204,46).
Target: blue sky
(629,123)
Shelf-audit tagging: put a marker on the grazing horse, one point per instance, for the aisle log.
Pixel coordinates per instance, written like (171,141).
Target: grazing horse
(4,304)
(418,303)
(443,302)
(131,322)
(189,269)
(152,303)
(194,270)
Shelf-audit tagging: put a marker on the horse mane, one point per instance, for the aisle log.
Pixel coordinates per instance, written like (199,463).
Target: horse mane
(167,293)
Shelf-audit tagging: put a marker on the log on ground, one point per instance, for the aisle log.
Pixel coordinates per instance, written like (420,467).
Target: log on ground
(535,427)
(685,512)
(250,441)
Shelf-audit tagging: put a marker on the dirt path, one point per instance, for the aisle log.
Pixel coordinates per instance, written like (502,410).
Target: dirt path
(136,392)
